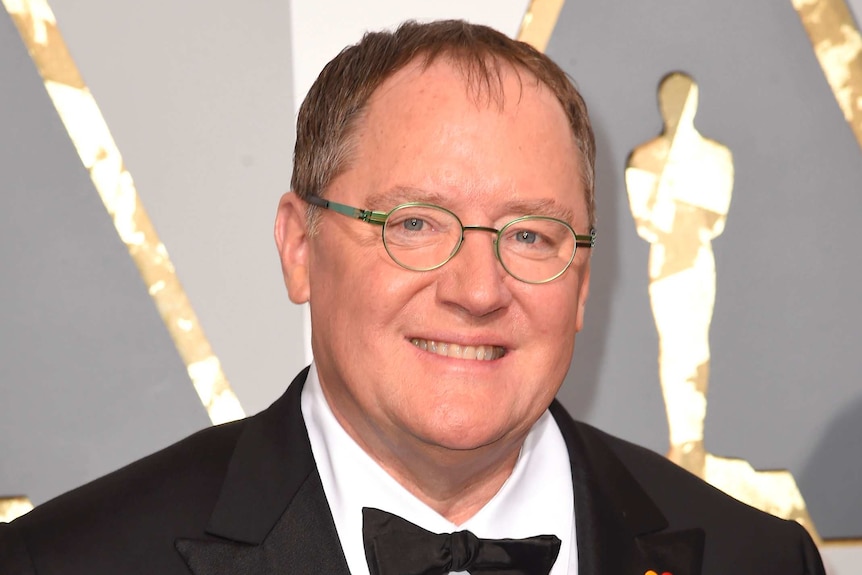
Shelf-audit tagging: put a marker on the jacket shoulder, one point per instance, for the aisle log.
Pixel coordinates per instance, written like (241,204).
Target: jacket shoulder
(139,509)
(736,533)
(676,491)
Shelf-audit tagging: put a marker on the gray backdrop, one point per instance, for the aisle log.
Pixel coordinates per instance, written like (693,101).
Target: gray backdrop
(89,379)
(88,374)
(198,98)
(786,372)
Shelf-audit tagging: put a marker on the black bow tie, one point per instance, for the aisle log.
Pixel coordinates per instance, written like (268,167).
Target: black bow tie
(394,546)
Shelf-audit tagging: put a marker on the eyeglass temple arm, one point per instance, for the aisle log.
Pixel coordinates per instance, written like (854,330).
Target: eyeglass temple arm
(586,241)
(369,216)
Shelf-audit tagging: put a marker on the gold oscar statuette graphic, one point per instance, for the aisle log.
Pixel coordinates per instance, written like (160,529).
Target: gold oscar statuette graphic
(679,186)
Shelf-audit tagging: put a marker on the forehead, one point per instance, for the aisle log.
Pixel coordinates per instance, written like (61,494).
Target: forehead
(449,85)
(475,140)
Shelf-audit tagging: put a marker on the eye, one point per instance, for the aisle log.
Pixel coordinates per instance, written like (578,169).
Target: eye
(419,223)
(534,236)
(527,237)
(413,224)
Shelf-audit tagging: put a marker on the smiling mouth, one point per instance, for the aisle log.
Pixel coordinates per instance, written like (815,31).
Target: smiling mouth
(474,352)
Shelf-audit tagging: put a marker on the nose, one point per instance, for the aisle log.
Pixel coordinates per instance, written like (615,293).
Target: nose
(474,279)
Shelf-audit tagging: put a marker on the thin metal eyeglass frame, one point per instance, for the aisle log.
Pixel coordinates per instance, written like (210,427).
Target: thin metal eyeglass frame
(379,219)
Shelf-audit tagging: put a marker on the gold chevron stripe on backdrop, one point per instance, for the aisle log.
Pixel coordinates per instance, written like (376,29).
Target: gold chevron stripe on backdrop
(838,46)
(13,507)
(100,156)
(539,22)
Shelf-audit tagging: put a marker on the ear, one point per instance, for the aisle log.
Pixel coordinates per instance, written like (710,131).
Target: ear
(583,295)
(291,239)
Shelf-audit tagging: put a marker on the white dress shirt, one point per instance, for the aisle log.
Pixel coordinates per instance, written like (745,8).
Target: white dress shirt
(536,499)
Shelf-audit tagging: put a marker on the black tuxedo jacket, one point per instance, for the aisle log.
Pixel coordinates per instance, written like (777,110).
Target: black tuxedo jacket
(245,498)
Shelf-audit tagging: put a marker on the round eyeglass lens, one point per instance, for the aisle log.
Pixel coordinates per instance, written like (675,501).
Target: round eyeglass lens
(421,237)
(536,249)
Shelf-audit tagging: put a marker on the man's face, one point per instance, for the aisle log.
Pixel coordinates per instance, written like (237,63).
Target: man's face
(426,137)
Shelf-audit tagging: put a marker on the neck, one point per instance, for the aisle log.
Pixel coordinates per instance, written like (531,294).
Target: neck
(456,483)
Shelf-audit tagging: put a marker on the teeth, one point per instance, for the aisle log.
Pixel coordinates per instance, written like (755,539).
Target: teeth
(475,352)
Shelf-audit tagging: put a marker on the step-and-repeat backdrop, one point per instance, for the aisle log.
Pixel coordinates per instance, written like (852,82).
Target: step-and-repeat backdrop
(144,146)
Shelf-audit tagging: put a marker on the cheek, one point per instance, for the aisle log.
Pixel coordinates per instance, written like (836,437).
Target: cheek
(361,293)
(552,319)
(554,310)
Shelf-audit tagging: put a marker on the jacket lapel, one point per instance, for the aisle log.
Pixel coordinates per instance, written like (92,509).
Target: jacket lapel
(619,528)
(272,515)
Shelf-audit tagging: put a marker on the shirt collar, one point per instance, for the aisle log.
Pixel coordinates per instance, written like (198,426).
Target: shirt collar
(536,499)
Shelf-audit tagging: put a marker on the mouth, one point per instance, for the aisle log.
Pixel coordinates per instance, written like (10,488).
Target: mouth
(454,350)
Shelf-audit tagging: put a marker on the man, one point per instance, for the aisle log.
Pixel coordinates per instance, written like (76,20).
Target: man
(440,228)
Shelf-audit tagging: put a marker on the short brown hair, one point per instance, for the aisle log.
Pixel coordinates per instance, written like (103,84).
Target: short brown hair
(331,111)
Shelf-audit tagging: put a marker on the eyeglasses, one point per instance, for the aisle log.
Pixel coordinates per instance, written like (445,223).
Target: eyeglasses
(422,237)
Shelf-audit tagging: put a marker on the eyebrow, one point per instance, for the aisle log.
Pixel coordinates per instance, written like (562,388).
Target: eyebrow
(385,201)
(542,207)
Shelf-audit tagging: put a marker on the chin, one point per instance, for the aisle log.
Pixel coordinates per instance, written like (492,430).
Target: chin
(465,433)
(462,444)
